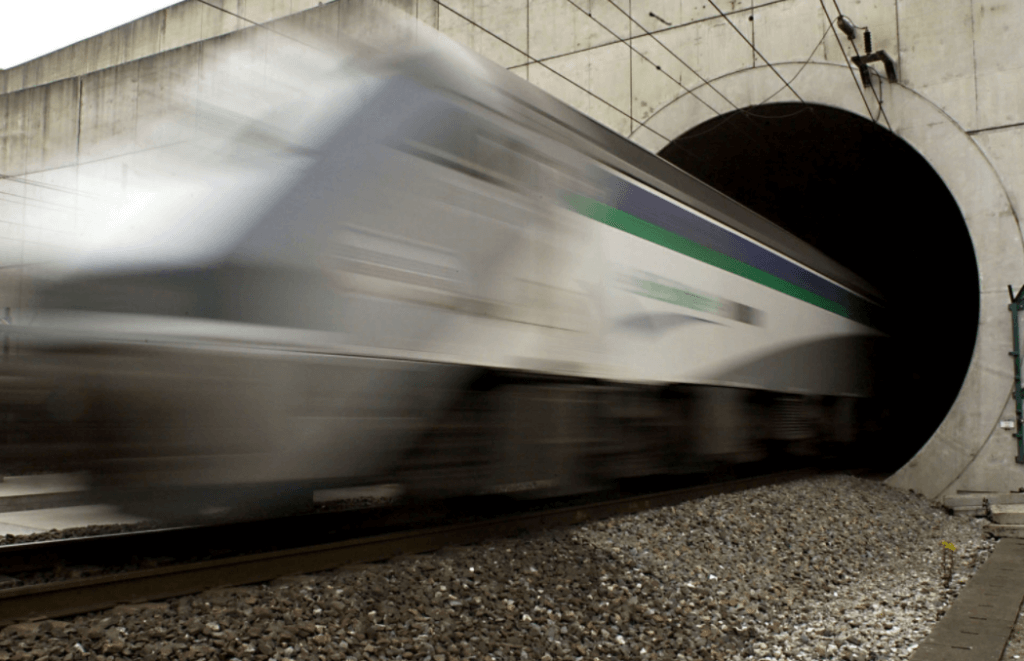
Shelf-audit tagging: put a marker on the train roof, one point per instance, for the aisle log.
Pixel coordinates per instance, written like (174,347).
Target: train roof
(589,136)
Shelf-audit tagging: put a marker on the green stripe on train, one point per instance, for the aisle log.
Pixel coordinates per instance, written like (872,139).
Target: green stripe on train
(641,228)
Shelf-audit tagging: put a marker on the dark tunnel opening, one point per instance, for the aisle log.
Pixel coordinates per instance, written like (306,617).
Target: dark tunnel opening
(866,198)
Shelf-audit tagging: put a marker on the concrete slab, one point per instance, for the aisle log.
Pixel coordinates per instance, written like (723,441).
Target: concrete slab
(986,638)
(943,652)
(979,622)
(1009,515)
(1015,498)
(978,499)
(966,500)
(970,511)
(62,518)
(1011,532)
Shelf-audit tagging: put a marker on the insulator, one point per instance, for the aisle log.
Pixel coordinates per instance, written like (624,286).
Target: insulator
(847,27)
(867,41)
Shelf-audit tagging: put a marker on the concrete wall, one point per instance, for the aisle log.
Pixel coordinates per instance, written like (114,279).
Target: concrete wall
(70,121)
(179,25)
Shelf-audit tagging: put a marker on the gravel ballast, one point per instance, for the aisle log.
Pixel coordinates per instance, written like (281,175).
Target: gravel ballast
(826,568)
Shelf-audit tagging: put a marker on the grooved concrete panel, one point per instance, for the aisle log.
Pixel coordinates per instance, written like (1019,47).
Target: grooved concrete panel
(771,33)
(601,77)
(500,21)
(937,54)
(997,62)
(979,622)
(109,112)
(178,25)
(682,54)
(1004,147)
(558,27)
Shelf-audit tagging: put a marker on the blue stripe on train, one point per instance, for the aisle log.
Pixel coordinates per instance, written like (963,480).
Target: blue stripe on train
(637,202)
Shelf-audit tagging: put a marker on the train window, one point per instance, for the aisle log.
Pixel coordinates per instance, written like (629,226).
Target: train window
(393,258)
(506,159)
(467,144)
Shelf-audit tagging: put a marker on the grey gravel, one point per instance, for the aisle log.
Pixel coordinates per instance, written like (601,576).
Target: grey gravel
(829,568)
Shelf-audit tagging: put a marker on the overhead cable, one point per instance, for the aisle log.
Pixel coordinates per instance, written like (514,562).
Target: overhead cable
(749,113)
(536,61)
(803,66)
(647,33)
(625,41)
(857,52)
(673,54)
(690,92)
(751,44)
(867,106)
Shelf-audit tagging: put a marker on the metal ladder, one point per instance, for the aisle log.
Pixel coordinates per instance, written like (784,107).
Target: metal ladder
(1015,307)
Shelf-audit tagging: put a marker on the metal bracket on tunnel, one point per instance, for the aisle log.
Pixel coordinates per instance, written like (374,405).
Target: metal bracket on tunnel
(1015,307)
(862,62)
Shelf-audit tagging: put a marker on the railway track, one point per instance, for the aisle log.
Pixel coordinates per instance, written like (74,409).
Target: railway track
(307,550)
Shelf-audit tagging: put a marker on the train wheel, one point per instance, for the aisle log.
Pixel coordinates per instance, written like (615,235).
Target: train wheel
(453,458)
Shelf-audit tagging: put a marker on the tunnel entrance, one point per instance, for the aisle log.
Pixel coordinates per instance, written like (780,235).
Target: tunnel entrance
(866,198)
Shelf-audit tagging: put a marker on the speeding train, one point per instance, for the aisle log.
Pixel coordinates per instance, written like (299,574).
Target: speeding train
(445,279)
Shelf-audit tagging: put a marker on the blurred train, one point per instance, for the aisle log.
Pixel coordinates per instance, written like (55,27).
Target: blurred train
(441,278)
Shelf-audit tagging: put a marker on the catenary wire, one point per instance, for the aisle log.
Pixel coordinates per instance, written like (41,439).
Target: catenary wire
(803,66)
(39,184)
(536,61)
(690,92)
(750,113)
(746,111)
(650,34)
(749,43)
(881,110)
(471,22)
(771,66)
(673,54)
(645,58)
(867,106)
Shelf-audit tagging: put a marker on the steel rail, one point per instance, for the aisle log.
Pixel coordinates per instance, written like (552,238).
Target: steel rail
(82,595)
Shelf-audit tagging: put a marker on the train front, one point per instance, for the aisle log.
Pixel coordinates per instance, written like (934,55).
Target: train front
(194,360)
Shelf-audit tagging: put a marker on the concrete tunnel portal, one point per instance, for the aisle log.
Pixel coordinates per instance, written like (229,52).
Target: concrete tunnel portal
(866,198)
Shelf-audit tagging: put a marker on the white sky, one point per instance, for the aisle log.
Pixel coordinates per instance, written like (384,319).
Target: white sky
(31,28)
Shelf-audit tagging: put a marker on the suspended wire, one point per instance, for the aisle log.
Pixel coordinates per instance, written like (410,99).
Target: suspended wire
(867,106)
(473,23)
(770,65)
(673,54)
(799,71)
(748,112)
(656,66)
(39,184)
(736,109)
(37,203)
(708,83)
(878,99)
(33,203)
(536,61)
(881,94)
(751,44)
